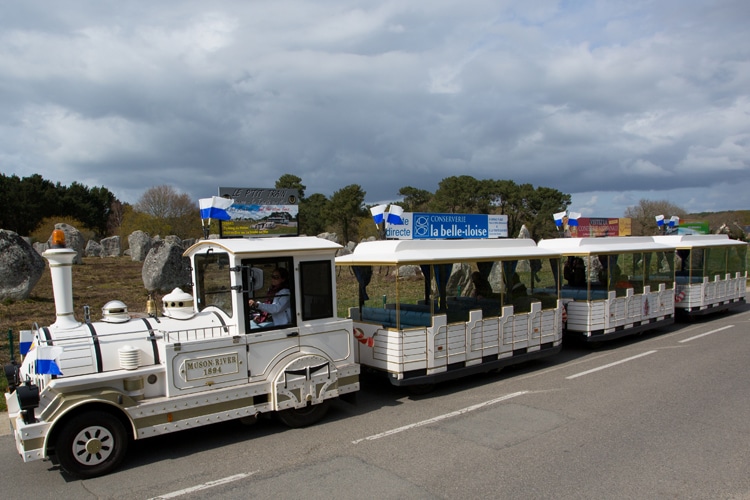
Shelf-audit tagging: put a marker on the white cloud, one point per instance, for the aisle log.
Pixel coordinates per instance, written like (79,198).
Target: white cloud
(611,102)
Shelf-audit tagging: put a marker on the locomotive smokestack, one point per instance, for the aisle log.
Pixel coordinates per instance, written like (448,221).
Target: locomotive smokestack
(61,268)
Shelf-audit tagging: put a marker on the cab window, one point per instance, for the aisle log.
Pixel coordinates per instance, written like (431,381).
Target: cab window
(269,289)
(214,281)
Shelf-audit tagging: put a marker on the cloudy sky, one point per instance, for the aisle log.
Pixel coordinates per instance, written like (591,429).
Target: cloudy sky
(610,101)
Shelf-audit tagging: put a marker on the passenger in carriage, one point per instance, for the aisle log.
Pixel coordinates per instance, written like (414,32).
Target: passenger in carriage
(575,272)
(276,308)
(517,288)
(482,286)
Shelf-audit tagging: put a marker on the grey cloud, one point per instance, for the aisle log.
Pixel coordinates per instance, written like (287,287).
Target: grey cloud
(608,101)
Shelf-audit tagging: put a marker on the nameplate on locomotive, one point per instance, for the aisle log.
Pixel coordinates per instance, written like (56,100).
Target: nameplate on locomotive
(210,366)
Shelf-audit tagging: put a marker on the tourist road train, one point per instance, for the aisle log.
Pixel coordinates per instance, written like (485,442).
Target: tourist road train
(422,312)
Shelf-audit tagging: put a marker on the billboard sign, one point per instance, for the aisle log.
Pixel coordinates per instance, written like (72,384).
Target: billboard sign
(594,227)
(260,212)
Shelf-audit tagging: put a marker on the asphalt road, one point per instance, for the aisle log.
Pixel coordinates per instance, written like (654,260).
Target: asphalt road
(662,415)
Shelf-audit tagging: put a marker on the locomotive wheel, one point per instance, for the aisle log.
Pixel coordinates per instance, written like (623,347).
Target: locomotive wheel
(91,444)
(304,417)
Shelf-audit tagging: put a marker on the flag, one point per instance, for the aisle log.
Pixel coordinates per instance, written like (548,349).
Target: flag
(46,360)
(558,218)
(25,338)
(377,213)
(394,215)
(674,221)
(573,218)
(660,220)
(215,208)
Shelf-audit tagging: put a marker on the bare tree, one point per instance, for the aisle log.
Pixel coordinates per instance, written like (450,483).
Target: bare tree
(164,202)
(168,212)
(644,214)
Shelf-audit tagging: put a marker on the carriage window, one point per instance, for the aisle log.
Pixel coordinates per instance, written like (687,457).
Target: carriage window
(214,281)
(317,290)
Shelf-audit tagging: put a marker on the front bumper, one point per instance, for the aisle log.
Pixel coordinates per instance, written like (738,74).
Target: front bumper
(29,438)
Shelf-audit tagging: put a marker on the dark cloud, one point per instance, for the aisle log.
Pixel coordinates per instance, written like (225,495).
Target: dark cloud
(611,102)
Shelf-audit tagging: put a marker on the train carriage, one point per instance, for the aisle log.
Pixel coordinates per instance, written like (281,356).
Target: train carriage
(710,273)
(615,286)
(443,309)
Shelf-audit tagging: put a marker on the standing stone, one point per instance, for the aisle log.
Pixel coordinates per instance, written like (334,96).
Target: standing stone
(165,268)
(73,240)
(410,272)
(20,267)
(329,236)
(111,247)
(140,244)
(93,249)
(40,247)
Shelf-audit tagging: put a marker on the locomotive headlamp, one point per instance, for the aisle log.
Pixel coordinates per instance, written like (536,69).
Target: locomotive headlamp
(28,399)
(11,374)
(58,239)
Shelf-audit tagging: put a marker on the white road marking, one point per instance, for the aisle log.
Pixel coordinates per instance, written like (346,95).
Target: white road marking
(205,486)
(581,374)
(707,333)
(440,417)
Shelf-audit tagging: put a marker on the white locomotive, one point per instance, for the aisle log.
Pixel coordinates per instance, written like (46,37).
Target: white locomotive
(85,389)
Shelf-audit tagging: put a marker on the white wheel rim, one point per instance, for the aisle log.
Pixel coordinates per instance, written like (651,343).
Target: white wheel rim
(93,445)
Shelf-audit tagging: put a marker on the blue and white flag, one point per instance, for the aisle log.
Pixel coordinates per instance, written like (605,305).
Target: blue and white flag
(660,220)
(47,360)
(215,208)
(25,339)
(573,218)
(559,218)
(378,213)
(394,215)
(674,221)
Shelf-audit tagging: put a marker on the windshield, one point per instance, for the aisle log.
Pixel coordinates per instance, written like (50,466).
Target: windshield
(213,281)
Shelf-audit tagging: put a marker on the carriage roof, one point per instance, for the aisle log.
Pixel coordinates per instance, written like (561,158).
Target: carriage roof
(609,244)
(681,241)
(386,252)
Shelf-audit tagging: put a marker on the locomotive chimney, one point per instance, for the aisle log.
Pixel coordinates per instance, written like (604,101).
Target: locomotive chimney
(61,268)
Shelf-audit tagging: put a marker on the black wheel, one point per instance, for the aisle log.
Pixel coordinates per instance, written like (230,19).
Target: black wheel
(304,417)
(91,444)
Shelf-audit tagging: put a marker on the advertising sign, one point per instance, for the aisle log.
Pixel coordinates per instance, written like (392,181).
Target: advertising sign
(260,212)
(694,227)
(594,227)
(426,226)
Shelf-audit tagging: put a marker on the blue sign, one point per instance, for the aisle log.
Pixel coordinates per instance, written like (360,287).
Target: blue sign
(423,226)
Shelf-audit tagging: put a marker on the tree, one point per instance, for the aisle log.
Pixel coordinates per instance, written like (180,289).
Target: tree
(289,181)
(546,202)
(162,210)
(26,202)
(89,205)
(116,216)
(345,207)
(312,214)
(461,194)
(643,215)
(415,200)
